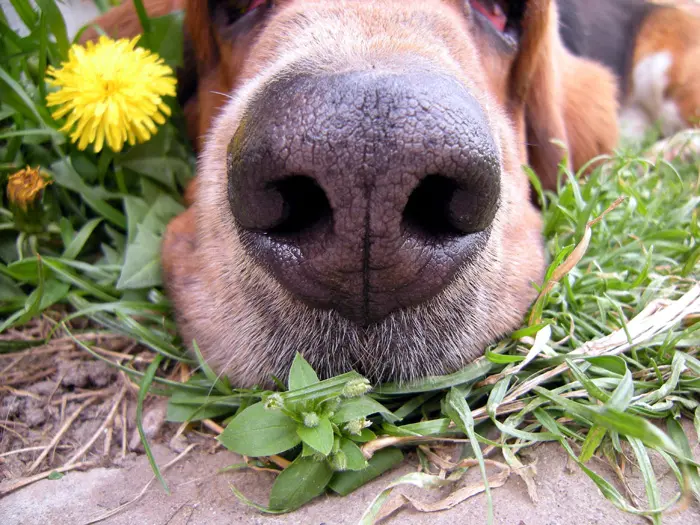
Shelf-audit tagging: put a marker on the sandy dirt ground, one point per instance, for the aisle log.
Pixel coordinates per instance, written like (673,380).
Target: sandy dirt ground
(199,494)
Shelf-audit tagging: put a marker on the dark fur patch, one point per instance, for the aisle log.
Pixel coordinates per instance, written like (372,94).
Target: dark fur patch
(187,74)
(604,31)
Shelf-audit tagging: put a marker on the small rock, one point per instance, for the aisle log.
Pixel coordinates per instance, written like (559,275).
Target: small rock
(178,443)
(84,373)
(43,388)
(34,415)
(153,419)
(9,407)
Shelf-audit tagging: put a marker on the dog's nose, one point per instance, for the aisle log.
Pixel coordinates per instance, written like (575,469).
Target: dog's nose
(364,192)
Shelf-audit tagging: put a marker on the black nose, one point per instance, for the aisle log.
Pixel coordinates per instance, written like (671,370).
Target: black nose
(364,192)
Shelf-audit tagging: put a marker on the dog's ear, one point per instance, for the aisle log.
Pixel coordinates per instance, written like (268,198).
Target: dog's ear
(220,27)
(537,89)
(221,33)
(590,93)
(564,98)
(198,20)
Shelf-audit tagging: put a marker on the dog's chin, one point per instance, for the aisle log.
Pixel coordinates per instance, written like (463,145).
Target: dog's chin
(267,326)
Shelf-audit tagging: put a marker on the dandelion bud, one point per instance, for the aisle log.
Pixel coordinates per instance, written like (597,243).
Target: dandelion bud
(25,193)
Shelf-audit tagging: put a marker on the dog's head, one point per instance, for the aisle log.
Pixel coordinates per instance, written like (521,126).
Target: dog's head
(360,194)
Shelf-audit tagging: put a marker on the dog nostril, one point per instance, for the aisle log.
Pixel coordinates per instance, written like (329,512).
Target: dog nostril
(427,210)
(439,207)
(305,206)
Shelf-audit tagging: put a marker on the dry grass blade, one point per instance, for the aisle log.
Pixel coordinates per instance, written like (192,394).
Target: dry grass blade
(28,449)
(466,492)
(369,448)
(394,504)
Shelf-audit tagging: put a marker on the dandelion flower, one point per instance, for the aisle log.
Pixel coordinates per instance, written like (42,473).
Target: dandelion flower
(111,92)
(25,187)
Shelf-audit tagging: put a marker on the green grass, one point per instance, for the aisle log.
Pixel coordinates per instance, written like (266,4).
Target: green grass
(95,255)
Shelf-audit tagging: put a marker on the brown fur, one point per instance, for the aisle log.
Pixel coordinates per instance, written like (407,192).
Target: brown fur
(676,31)
(595,131)
(122,21)
(246,324)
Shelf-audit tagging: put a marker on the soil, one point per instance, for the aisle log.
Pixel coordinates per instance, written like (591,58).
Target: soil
(200,495)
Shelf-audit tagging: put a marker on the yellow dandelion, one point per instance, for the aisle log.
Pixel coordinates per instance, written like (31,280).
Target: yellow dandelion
(25,187)
(111,92)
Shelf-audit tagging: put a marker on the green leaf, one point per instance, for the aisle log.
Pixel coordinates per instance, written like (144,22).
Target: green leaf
(9,291)
(159,214)
(144,387)
(299,483)
(25,11)
(65,175)
(55,476)
(626,424)
(652,489)
(365,436)
(355,458)
(458,410)
(219,382)
(677,433)
(145,21)
(142,267)
(56,23)
(136,210)
(590,445)
(78,242)
(26,270)
(359,407)
(13,93)
(32,305)
(166,37)
(622,395)
(301,374)
(466,376)
(142,264)
(321,390)
(180,413)
(346,482)
(320,437)
(501,359)
(62,271)
(260,432)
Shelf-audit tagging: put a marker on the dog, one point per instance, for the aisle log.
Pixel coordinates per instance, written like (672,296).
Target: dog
(360,195)
(654,51)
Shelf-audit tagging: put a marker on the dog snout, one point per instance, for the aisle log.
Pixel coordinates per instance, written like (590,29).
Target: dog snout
(364,192)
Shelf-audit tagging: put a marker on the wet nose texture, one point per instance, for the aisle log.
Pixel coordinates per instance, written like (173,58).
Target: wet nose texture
(364,192)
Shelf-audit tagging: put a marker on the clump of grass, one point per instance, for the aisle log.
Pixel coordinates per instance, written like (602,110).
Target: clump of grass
(605,364)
